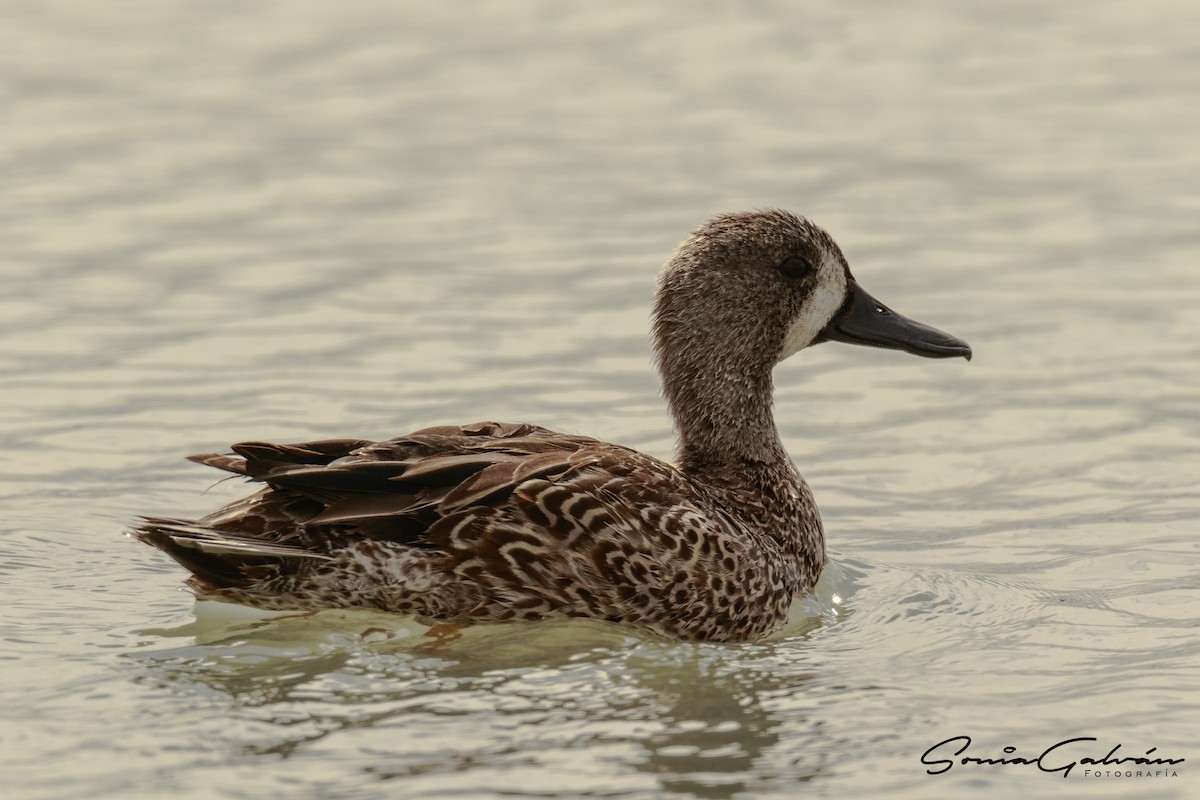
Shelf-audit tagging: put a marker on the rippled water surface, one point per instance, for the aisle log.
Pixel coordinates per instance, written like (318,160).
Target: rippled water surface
(224,221)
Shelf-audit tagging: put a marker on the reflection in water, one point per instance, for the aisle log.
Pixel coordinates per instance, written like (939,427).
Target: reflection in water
(699,724)
(715,731)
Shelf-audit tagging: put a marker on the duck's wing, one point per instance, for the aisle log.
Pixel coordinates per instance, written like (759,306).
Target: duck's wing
(431,489)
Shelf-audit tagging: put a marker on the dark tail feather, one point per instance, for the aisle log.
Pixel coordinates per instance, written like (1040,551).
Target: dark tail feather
(258,459)
(216,558)
(228,463)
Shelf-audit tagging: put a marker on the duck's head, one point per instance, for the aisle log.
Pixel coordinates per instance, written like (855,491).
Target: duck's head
(752,289)
(746,291)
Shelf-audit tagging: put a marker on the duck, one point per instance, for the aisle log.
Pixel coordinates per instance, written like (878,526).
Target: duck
(492,521)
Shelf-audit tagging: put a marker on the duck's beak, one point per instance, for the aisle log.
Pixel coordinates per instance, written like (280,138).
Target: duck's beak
(864,320)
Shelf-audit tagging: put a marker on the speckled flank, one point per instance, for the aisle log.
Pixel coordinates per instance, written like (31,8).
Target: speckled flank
(497,521)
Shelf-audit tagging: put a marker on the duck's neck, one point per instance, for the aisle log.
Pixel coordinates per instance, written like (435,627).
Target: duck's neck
(729,444)
(724,421)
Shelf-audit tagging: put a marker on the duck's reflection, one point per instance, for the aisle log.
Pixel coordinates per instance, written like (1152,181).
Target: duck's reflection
(675,717)
(717,735)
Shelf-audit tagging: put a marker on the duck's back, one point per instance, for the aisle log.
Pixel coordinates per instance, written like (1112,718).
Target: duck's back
(489,521)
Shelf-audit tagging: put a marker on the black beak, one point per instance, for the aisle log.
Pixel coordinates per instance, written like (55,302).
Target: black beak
(864,320)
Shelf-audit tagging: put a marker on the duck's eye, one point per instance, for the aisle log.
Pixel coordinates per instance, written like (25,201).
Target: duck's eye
(796,267)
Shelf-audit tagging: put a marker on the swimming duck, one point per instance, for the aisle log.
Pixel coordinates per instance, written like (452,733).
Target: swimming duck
(496,521)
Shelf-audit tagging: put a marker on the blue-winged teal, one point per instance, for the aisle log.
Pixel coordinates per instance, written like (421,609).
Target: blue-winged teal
(498,521)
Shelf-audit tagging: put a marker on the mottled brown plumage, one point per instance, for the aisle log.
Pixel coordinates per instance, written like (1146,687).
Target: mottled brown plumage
(498,521)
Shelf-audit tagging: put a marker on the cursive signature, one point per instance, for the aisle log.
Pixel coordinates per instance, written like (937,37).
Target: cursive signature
(1055,758)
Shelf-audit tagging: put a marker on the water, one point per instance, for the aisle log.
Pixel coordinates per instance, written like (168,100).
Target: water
(285,221)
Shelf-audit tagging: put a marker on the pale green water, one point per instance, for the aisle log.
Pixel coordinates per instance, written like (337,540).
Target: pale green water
(226,221)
